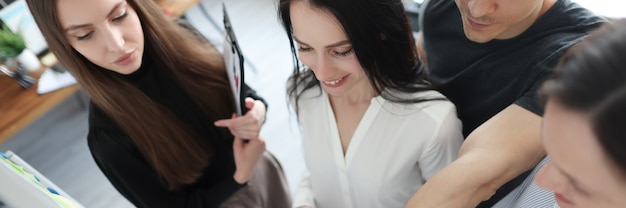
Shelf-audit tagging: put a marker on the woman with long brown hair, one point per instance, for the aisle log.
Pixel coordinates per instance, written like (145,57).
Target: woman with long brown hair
(159,95)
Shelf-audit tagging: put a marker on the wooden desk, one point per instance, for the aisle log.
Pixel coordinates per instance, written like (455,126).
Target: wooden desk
(20,107)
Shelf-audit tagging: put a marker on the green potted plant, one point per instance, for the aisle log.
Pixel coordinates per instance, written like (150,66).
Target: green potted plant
(11,44)
(13,48)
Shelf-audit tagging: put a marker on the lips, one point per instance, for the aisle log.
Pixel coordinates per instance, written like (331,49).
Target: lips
(125,59)
(476,24)
(336,82)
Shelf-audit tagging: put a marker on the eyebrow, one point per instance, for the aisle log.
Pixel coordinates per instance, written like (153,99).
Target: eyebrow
(115,7)
(340,43)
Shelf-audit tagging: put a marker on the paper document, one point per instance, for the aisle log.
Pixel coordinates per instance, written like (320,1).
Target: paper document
(234,63)
(51,81)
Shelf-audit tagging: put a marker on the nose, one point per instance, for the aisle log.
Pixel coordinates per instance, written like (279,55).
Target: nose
(479,8)
(114,38)
(322,68)
(549,178)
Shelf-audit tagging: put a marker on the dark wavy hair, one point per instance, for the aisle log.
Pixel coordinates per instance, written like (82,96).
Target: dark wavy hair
(591,79)
(381,38)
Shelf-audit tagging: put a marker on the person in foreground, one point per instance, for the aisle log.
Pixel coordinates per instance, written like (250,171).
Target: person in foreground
(158,95)
(489,57)
(583,127)
(373,130)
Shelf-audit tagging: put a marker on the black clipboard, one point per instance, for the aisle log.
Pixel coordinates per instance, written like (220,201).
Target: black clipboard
(234,60)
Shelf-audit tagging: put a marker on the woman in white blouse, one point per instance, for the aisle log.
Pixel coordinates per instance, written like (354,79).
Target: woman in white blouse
(373,130)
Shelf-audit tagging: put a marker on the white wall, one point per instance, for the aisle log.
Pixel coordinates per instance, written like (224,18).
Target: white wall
(609,8)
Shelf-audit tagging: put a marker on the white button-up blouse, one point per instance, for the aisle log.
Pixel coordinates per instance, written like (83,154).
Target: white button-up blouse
(394,150)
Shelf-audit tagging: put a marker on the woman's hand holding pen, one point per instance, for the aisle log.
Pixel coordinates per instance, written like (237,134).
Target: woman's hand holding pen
(248,126)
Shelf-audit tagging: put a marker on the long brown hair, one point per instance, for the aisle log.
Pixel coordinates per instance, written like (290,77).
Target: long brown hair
(176,153)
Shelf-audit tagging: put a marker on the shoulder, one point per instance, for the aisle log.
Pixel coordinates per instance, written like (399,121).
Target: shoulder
(564,25)
(436,120)
(438,110)
(568,20)
(435,107)
(578,14)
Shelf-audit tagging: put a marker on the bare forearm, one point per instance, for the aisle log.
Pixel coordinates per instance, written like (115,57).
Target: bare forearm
(496,152)
(450,189)
(465,183)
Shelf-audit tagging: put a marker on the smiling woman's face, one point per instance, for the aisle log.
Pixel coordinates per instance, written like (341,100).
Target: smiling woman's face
(324,47)
(580,173)
(106,32)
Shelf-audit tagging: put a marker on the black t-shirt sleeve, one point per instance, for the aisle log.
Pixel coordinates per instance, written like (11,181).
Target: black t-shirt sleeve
(133,177)
(530,99)
(544,70)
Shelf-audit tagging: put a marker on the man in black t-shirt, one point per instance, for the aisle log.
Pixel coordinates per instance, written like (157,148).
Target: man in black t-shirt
(490,57)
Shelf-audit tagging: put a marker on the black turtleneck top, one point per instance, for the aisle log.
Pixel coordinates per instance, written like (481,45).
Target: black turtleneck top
(122,163)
